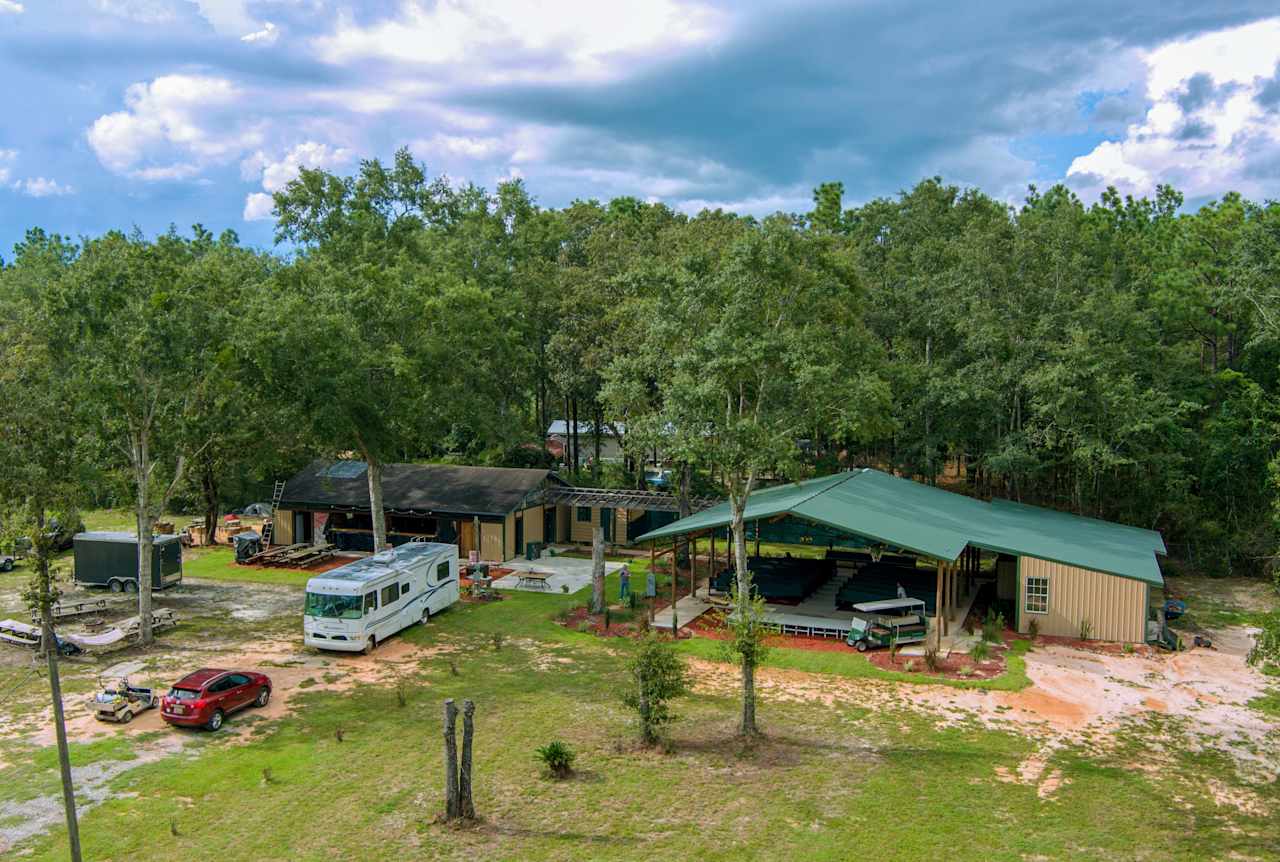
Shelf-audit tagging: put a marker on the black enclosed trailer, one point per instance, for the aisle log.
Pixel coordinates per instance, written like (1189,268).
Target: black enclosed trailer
(111,560)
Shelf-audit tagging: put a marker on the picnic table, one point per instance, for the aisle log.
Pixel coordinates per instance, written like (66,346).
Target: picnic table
(72,609)
(533,581)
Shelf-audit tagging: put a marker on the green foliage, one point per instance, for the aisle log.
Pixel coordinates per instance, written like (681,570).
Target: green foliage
(557,757)
(748,632)
(657,675)
(981,651)
(1265,652)
(1086,630)
(932,659)
(993,625)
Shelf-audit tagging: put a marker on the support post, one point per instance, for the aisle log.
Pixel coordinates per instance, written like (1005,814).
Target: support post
(711,569)
(757,538)
(675,576)
(466,806)
(653,569)
(937,607)
(450,760)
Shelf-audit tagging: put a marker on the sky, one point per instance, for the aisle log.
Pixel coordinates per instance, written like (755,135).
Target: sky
(147,113)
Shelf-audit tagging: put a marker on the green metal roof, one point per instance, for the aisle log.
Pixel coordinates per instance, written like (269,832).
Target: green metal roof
(940,524)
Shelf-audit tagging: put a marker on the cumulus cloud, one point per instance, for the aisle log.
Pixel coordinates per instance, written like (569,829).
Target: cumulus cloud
(42,187)
(7,158)
(174,127)
(275,174)
(11,7)
(1208,129)
(142,11)
(266,36)
(526,40)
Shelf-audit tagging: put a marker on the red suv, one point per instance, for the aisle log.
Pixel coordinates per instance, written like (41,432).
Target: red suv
(206,697)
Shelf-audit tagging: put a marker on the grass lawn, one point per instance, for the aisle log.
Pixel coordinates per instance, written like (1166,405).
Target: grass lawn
(355,775)
(218,564)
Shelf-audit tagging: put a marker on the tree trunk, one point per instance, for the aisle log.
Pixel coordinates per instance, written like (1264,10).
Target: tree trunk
(597,569)
(209,487)
(450,761)
(466,805)
(595,434)
(146,538)
(573,431)
(49,646)
(738,505)
(375,503)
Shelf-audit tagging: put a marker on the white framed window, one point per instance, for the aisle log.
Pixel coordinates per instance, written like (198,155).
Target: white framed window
(1037,595)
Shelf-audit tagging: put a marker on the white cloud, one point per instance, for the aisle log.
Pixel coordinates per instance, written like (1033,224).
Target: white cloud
(464,146)
(41,187)
(7,158)
(174,127)
(142,11)
(11,7)
(526,40)
(276,174)
(257,206)
(228,17)
(1205,132)
(266,36)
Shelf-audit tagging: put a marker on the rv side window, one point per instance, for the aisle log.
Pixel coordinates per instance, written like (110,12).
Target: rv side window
(371,601)
(390,593)
(404,589)
(442,572)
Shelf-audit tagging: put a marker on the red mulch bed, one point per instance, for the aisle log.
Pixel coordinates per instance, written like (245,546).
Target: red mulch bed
(595,624)
(948,668)
(1102,647)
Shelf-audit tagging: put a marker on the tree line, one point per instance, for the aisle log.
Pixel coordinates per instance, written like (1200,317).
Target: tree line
(1115,358)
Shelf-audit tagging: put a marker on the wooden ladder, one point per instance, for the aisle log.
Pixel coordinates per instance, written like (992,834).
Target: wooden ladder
(276,493)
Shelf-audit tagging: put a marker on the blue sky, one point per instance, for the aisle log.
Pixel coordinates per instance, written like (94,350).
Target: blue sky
(149,112)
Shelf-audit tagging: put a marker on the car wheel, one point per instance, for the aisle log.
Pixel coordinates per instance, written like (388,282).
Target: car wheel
(263,697)
(126,717)
(115,586)
(862,646)
(131,586)
(369,645)
(215,720)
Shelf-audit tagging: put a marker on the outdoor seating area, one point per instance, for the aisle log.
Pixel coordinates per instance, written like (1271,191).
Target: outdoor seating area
(877,581)
(781,580)
(297,556)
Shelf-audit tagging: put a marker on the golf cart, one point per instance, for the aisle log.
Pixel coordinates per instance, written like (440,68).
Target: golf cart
(887,623)
(119,701)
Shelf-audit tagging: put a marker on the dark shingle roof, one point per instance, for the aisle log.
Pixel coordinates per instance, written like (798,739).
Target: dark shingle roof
(417,488)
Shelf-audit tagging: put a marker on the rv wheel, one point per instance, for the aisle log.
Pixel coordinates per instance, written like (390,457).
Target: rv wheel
(116,586)
(426,615)
(369,645)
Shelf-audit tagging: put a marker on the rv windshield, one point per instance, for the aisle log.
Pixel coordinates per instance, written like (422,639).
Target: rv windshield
(339,607)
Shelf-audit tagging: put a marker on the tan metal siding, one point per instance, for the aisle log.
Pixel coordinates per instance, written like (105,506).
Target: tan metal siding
(282,529)
(620,518)
(509,536)
(563,514)
(533,524)
(491,542)
(580,531)
(1115,607)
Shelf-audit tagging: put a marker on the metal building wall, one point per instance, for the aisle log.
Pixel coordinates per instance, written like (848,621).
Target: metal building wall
(1115,607)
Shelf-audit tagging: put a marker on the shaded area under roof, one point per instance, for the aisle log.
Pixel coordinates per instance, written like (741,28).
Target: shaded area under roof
(423,489)
(936,523)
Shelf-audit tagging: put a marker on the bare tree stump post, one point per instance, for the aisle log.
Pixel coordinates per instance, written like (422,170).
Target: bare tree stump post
(450,761)
(466,806)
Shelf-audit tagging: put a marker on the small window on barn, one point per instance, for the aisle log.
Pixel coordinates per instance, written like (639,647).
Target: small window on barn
(1037,596)
(584,514)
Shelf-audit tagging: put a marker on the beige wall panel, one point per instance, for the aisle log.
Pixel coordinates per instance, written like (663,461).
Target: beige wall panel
(509,537)
(580,531)
(1115,607)
(491,542)
(533,524)
(282,531)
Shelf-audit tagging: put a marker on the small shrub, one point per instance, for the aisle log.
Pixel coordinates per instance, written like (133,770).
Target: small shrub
(932,660)
(267,777)
(643,625)
(584,627)
(966,670)
(498,639)
(631,601)
(564,588)
(401,697)
(557,757)
(1086,630)
(453,668)
(910,666)
(173,827)
(657,676)
(893,653)
(981,651)
(992,625)
(1127,648)
(1033,628)
(337,734)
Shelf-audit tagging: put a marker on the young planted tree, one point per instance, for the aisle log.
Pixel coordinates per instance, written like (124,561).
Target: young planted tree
(657,676)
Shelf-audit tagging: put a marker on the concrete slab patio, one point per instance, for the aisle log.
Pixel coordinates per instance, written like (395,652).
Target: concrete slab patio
(571,572)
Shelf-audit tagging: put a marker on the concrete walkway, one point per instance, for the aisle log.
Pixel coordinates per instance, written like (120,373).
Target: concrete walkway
(688,609)
(573,572)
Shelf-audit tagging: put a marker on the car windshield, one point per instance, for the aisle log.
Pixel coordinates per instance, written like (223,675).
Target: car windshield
(183,694)
(339,607)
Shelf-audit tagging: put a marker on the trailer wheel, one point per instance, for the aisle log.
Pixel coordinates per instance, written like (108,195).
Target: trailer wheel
(115,586)
(131,586)
(426,615)
(6,565)
(861,645)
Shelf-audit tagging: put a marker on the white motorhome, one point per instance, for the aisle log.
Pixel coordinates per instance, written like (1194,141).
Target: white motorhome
(357,606)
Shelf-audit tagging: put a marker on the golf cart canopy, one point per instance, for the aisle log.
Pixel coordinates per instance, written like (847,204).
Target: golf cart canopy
(885,606)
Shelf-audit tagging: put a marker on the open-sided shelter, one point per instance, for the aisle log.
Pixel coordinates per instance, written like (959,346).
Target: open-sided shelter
(1061,570)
